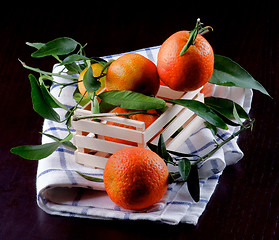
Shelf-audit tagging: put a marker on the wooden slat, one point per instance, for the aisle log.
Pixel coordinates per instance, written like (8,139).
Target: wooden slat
(89,160)
(108,130)
(97,144)
(193,126)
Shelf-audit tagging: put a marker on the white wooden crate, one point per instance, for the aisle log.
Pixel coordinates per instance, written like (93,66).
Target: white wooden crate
(93,150)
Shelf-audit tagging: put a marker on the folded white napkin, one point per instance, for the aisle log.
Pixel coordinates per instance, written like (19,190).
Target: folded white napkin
(61,191)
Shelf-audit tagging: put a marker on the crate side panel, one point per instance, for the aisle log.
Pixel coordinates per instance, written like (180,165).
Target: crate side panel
(108,130)
(96,144)
(89,160)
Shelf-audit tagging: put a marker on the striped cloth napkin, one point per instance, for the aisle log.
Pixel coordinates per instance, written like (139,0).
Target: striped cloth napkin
(61,191)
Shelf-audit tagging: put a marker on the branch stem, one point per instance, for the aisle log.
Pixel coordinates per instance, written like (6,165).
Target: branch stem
(242,129)
(112,114)
(47,73)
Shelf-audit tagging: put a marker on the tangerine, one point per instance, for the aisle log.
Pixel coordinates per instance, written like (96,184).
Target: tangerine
(189,71)
(97,70)
(133,72)
(135,178)
(146,118)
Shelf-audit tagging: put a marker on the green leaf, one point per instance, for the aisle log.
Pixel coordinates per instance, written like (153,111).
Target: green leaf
(236,115)
(92,179)
(65,141)
(211,127)
(132,100)
(70,145)
(193,183)
(52,101)
(229,73)
(192,37)
(90,82)
(35,45)
(225,107)
(73,58)
(184,167)
(58,46)
(40,104)
(36,152)
(152,147)
(162,151)
(95,107)
(202,110)
(77,96)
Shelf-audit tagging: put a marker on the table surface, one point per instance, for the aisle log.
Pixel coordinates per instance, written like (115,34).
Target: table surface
(245,204)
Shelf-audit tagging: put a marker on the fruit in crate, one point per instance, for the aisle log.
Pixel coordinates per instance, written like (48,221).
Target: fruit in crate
(133,72)
(189,70)
(146,118)
(135,178)
(97,70)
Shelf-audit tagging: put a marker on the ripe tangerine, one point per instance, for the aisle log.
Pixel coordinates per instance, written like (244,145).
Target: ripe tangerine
(189,71)
(133,72)
(135,178)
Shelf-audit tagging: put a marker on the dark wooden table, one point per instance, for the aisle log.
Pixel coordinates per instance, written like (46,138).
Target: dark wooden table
(245,204)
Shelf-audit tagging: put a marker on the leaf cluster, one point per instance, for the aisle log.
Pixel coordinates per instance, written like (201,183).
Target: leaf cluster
(217,112)
(187,164)
(44,103)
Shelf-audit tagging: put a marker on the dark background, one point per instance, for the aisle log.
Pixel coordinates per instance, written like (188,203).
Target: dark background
(245,204)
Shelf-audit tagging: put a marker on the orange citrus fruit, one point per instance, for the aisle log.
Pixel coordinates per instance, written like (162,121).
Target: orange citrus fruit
(147,119)
(133,72)
(97,69)
(189,71)
(135,178)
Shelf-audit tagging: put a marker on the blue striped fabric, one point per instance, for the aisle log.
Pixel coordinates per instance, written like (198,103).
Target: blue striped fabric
(61,191)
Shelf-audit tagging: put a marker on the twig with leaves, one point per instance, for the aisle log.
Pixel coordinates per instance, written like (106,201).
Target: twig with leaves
(217,112)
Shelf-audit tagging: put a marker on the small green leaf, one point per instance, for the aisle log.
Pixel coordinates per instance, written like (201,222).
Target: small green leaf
(192,37)
(193,183)
(35,45)
(184,167)
(52,101)
(162,151)
(40,104)
(95,107)
(152,147)
(92,179)
(229,73)
(70,145)
(211,127)
(36,152)
(58,46)
(77,96)
(90,82)
(236,115)
(65,141)
(225,107)
(73,58)
(132,100)
(202,111)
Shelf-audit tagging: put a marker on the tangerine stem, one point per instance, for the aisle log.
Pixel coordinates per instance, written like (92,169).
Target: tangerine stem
(193,34)
(192,37)
(205,30)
